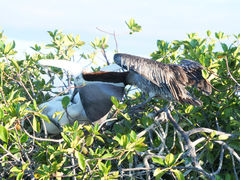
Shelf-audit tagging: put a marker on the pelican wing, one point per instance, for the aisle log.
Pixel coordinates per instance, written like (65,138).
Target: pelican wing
(168,76)
(171,78)
(194,73)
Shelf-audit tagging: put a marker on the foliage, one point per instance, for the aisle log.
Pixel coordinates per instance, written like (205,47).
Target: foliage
(140,143)
(133,26)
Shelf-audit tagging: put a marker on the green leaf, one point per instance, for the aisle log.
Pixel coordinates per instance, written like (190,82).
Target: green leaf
(9,47)
(133,136)
(189,109)
(15,64)
(20,176)
(3,134)
(124,141)
(141,147)
(126,116)
(65,101)
(158,173)
(89,140)
(81,160)
(60,114)
(115,101)
(75,125)
(35,123)
(89,128)
(169,160)
(19,99)
(1,114)
(44,117)
(236,51)
(222,137)
(213,134)
(100,138)
(158,160)
(209,33)
(224,47)
(15,170)
(66,138)
(102,167)
(205,74)
(210,145)
(105,156)
(179,174)
(24,138)
(134,27)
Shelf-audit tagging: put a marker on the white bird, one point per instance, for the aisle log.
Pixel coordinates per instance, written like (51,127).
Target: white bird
(91,102)
(75,111)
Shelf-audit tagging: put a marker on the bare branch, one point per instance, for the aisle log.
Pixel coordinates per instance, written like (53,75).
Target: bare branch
(43,139)
(231,150)
(9,153)
(207,130)
(230,74)
(234,167)
(220,162)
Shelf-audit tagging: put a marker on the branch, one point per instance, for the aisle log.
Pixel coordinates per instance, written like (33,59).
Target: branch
(111,34)
(105,56)
(9,153)
(194,169)
(43,139)
(207,130)
(234,168)
(220,163)
(230,74)
(3,96)
(231,150)
(189,144)
(26,155)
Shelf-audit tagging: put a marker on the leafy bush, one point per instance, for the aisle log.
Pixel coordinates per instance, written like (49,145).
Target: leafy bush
(186,143)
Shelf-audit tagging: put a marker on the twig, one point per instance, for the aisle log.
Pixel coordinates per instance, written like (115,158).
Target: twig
(142,133)
(115,39)
(234,168)
(111,34)
(230,72)
(194,169)
(31,126)
(207,130)
(150,127)
(104,55)
(189,143)
(22,84)
(174,140)
(9,153)
(163,144)
(145,161)
(43,139)
(231,150)
(108,120)
(136,169)
(26,155)
(3,96)
(73,164)
(32,88)
(220,162)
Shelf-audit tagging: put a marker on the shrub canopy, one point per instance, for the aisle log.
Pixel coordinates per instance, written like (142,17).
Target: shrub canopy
(188,142)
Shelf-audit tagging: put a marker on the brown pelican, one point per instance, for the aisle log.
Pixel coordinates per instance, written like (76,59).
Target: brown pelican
(90,103)
(166,81)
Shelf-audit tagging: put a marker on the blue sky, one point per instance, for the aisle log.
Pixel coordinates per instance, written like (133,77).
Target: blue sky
(27,21)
